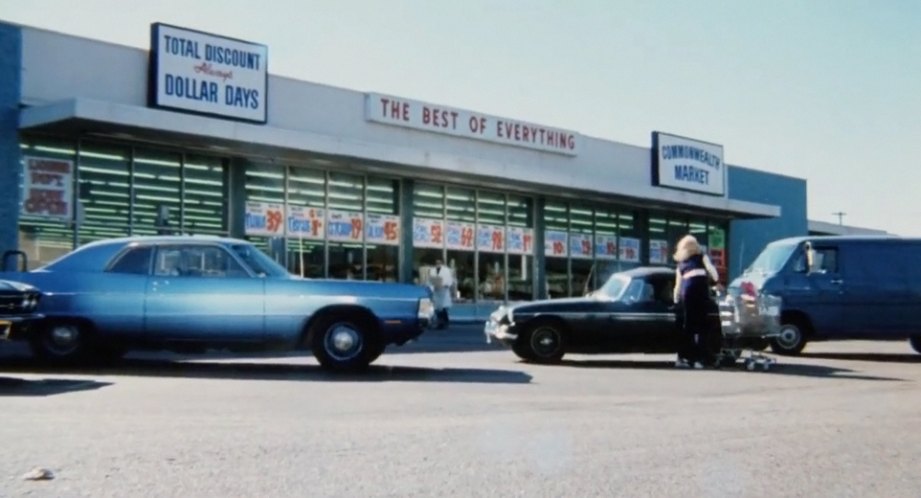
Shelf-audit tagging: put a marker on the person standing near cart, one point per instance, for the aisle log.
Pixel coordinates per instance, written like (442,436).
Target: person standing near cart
(442,282)
(693,277)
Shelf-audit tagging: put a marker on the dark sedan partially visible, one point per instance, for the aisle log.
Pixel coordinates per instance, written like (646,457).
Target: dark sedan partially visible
(633,312)
(18,302)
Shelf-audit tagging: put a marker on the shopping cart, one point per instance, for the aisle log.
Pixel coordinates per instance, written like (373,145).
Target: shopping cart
(747,325)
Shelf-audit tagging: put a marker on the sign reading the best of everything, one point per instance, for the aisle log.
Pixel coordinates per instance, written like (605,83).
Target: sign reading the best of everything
(208,74)
(417,115)
(687,164)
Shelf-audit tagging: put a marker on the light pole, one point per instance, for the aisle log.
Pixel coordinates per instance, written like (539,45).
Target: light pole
(840,215)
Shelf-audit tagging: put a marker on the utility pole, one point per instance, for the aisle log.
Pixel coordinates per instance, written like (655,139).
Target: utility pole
(840,215)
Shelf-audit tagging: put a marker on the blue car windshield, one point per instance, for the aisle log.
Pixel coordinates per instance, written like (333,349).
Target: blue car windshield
(260,262)
(614,287)
(772,258)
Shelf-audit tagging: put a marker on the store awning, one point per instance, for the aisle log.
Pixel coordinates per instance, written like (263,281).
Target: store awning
(89,118)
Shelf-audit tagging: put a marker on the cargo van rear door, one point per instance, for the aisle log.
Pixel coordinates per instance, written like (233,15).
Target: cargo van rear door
(877,284)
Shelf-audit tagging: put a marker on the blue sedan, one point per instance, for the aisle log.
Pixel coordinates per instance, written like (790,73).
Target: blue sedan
(193,293)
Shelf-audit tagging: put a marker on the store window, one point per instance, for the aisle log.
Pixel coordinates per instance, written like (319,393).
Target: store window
(428,229)
(556,249)
(306,203)
(47,232)
(205,194)
(581,241)
(345,226)
(382,235)
(606,231)
(629,240)
(490,244)
(460,240)
(520,244)
(265,186)
(157,192)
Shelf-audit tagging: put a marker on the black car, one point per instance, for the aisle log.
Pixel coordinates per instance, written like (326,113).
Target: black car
(18,303)
(633,312)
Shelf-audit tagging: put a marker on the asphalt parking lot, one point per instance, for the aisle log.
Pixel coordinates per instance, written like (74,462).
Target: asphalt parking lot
(452,416)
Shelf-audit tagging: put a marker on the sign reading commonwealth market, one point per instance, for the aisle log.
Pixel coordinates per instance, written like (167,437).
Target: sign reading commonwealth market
(687,164)
(207,74)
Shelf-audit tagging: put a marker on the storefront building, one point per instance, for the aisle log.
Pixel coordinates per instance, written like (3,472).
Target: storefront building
(195,136)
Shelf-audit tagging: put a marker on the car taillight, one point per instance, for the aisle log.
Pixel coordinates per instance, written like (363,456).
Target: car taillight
(748,290)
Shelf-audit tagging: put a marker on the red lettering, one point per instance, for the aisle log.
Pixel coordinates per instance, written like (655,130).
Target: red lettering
(315,227)
(467,237)
(436,234)
(356,228)
(390,230)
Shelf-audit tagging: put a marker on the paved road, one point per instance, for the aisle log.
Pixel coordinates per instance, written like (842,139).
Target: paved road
(457,418)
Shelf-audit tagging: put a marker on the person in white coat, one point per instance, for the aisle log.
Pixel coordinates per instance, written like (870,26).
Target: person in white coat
(441,280)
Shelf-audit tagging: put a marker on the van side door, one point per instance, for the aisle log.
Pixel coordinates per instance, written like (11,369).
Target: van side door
(820,292)
(877,285)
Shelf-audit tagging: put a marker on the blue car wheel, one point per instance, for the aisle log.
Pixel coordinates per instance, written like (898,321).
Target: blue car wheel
(341,343)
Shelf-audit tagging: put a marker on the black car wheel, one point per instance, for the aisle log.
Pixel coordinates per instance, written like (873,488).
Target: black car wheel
(343,344)
(915,343)
(61,342)
(791,340)
(544,342)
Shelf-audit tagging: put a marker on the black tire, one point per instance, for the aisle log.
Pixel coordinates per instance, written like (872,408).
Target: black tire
(543,342)
(61,342)
(344,343)
(792,339)
(915,343)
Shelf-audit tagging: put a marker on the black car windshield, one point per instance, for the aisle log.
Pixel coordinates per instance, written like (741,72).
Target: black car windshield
(614,287)
(772,258)
(259,262)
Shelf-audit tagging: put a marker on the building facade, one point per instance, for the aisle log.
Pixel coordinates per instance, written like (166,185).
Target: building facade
(195,136)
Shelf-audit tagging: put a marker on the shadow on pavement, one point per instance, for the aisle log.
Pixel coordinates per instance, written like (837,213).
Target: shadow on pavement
(15,386)
(876,357)
(796,369)
(378,372)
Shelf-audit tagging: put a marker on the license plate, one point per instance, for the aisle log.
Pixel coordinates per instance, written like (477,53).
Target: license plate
(772,311)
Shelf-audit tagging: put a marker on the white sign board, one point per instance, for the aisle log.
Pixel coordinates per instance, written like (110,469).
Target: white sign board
(396,111)
(687,164)
(208,74)
(48,188)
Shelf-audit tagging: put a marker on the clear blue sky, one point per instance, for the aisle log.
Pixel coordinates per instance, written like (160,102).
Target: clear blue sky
(826,90)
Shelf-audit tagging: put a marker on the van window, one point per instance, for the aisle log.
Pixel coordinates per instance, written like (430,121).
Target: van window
(772,258)
(826,260)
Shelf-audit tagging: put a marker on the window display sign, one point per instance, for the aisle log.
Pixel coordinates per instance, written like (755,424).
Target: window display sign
(459,235)
(490,238)
(207,74)
(658,252)
(428,232)
(48,188)
(630,250)
(606,246)
(344,226)
(580,245)
(556,244)
(306,222)
(520,240)
(383,229)
(265,218)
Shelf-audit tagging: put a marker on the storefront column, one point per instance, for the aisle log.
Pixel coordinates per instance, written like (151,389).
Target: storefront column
(406,234)
(236,205)
(10,170)
(540,259)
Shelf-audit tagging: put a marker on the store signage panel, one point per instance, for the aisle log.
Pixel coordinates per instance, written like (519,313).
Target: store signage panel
(580,245)
(688,164)
(490,238)
(382,229)
(658,251)
(630,250)
(306,222)
(605,246)
(344,226)
(207,74)
(520,240)
(265,219)
(556,244)
(417,115)
(460,236)
(428,232)
(48,188)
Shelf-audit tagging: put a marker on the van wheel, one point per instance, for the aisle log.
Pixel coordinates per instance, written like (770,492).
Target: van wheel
(791,340)
(915,343)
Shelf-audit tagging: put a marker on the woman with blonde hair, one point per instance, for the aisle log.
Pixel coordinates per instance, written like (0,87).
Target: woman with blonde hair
(693,276)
